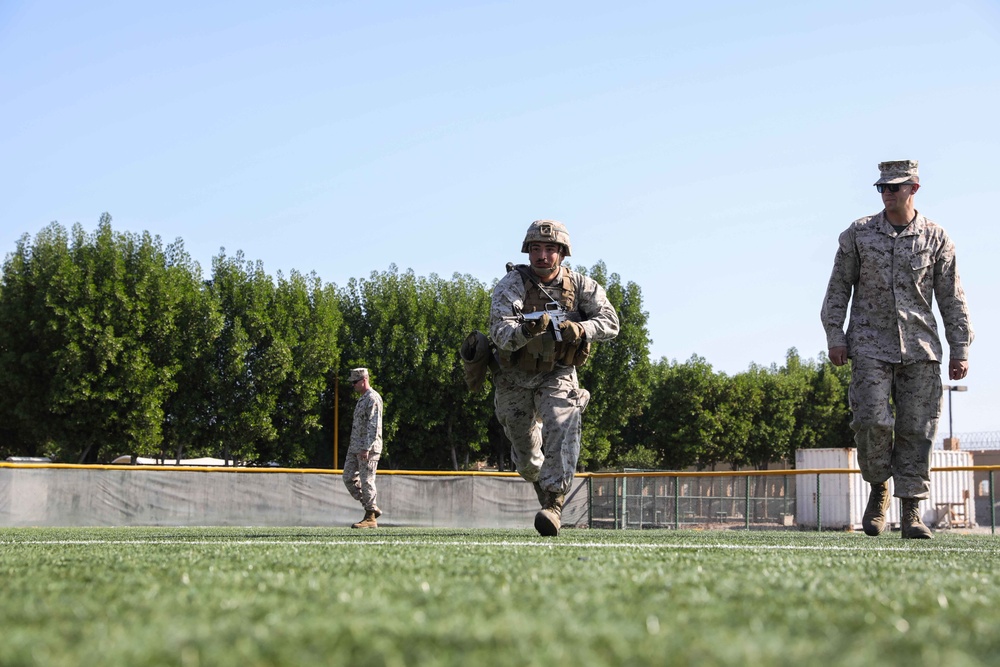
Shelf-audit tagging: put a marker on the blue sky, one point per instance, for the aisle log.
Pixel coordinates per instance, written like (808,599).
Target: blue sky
(710,153)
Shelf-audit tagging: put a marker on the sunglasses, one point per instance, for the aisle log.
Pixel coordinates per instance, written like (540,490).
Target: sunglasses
(891,187)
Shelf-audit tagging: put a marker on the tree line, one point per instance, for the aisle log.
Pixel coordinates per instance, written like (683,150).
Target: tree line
(113,344)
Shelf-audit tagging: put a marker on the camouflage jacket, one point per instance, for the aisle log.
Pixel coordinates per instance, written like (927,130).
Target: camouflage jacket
(366,429)
(597,315)
(890,281)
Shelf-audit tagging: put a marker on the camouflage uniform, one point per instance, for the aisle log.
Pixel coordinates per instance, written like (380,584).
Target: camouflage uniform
(890,279)
(541,411)
(366,435)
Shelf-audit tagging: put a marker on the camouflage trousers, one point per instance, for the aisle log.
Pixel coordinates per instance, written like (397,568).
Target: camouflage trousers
(542,417)
(359,478)
(894,439)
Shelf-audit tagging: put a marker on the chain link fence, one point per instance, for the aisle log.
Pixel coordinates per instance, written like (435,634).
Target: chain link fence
(654,500)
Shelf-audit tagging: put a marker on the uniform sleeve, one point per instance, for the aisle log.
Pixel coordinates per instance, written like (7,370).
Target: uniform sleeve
(844,276)
(951,302)
(373,423)
(505,308)
(600,319)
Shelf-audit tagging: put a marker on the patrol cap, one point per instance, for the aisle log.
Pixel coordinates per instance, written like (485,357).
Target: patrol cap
(357,374)
(897,171)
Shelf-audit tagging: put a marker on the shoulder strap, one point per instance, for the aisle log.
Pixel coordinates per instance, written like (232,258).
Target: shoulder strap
(527,274)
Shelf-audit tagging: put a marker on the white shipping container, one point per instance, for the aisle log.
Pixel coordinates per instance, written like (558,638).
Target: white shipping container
(842,497)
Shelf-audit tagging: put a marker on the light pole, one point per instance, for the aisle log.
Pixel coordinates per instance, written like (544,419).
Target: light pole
(952,388)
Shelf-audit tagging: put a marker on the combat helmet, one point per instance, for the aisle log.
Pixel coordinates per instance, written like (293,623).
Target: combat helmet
(547,231)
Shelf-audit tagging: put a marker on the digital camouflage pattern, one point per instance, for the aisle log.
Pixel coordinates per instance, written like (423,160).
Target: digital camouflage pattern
(597,315)
(897,446)
(898,171)
(366,435)
(359,478)
(541,412)
(366,429)
(893,278)
(547,231)
(543,424)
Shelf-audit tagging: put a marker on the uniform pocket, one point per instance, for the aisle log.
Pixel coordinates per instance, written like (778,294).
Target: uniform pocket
(921,260)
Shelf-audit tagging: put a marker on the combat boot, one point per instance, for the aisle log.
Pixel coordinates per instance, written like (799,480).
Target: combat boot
(367,522)
(542,494)
(377,511)
(878,504)
(548,520)
(911,526)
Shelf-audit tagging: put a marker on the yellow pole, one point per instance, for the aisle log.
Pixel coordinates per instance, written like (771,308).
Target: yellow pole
(336,421)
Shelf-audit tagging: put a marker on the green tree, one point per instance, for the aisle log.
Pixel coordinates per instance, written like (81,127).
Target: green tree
(738,410)
(382,332)
(760,406)
(30,337)
(459,306)
(306,318)
(109,345)
(407,331)
(617,374)
(251,362)
(188,410)
(681,421)
(823,418)
(102,306)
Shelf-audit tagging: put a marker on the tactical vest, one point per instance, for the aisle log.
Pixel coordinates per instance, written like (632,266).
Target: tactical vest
(543,352)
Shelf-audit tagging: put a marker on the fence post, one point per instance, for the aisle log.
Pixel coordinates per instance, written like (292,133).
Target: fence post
(677,502)
(642,489)
(590,502)
(746,514)
(993,507)
(784,499)
(653,481)
(767,493)
(614,494)
(819,506)
(624,501)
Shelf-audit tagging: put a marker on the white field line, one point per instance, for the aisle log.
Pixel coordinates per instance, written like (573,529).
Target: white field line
(541,545)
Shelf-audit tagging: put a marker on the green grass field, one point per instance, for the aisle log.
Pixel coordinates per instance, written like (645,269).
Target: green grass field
(395,596)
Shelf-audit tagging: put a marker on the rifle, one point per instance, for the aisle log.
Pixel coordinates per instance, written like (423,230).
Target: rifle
(556,314)
(553,308)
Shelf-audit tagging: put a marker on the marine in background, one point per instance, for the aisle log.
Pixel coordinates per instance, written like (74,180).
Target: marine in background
(365,449)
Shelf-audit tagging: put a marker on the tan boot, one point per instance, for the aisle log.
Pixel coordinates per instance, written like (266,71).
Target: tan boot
(873,521)
(367,522)
(542,494)
(548,520)
(911,526)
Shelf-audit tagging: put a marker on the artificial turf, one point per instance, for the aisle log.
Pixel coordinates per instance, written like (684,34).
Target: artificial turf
(399,596)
